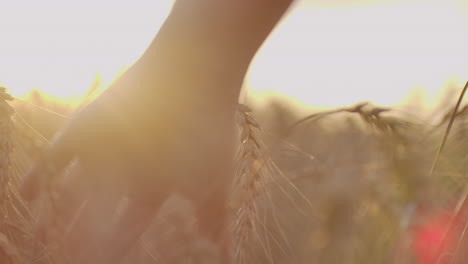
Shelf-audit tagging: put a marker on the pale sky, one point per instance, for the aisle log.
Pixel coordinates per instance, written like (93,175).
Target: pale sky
(326,52)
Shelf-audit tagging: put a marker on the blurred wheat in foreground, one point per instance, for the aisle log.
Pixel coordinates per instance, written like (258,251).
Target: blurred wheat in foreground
(15,239)
(352,185)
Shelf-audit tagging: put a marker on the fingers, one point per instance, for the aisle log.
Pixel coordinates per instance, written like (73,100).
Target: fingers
(213,222)
(125,231)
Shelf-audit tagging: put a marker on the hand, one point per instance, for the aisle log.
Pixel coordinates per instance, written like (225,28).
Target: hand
(166,126)
(121,146)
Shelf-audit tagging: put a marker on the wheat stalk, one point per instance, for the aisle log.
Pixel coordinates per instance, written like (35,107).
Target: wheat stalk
(256,175)
(459,221)
(371,115)
(16,235)
(248,182)
(8,236)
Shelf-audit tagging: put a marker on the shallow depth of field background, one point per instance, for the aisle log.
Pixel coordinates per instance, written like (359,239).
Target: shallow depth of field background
(351,186)
(386,51)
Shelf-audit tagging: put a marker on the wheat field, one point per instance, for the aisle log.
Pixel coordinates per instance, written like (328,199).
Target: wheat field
(358,184)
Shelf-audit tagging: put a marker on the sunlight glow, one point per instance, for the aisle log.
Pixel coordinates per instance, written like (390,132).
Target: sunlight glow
(58,46)
(325,52)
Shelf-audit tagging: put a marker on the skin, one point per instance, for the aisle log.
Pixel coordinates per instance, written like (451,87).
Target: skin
(166,126)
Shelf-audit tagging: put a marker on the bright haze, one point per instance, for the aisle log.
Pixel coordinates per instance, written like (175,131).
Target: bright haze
(325,52)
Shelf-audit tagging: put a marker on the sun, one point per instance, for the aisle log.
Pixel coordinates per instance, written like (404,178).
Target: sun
(59,47)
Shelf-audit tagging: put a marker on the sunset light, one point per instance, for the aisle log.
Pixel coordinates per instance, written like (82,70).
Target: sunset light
(369,50)
(233,131)
(58,46)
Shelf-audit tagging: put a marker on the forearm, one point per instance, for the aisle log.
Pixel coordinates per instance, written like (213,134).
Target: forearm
(205,48)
